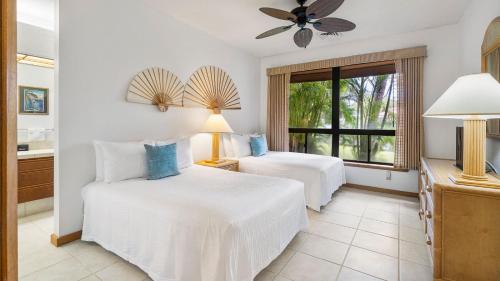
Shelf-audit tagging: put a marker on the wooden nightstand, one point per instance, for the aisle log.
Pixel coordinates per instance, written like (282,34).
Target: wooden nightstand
(230,165)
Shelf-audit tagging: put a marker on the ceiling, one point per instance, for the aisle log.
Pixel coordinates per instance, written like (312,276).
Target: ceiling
(39,13)
(237,22)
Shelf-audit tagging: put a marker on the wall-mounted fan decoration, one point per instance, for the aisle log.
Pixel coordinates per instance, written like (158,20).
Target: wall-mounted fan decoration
(156,86)
(314,14)
(212,88)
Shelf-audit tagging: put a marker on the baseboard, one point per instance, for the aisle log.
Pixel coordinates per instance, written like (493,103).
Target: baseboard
(383,190)
(65,239)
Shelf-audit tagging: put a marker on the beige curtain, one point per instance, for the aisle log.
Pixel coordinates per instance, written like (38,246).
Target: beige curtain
(409,129)
(277,111)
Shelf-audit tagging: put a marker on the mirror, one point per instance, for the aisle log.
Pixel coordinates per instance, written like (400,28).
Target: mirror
(490,62)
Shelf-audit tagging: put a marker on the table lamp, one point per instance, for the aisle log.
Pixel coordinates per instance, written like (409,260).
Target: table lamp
(474,99)
(216,124)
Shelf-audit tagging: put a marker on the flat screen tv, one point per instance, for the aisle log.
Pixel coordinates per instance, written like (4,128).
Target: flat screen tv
(459,162)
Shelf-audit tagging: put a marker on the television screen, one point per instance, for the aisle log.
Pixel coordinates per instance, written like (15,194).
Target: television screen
(460,148)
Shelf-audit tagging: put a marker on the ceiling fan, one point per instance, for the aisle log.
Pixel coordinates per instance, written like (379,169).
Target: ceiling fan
(314,14)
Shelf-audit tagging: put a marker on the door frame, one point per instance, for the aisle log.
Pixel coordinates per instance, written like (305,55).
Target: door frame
(8,142)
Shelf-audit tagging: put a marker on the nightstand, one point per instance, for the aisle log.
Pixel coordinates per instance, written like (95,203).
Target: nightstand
(230,165)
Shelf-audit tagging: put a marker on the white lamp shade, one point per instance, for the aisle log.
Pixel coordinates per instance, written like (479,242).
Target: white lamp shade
(216,124)
(474,96)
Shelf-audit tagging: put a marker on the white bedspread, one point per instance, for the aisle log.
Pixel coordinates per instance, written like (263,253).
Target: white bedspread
(321,175)
(205,224)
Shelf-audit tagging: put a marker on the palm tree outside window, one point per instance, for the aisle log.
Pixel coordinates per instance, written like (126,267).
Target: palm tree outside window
(347,112)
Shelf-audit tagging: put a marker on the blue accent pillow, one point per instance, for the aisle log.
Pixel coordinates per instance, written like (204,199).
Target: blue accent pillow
(161,161)
(258,145)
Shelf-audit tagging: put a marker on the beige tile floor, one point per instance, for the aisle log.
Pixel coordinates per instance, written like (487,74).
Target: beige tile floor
(360,235)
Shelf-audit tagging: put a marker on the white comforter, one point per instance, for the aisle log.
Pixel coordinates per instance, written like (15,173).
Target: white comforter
(205,224)
(321,175)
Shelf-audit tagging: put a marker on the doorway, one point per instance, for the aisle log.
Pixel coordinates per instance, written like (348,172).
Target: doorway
(36,50)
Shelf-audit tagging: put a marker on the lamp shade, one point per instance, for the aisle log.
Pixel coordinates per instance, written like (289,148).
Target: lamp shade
(475,96)
(216,124)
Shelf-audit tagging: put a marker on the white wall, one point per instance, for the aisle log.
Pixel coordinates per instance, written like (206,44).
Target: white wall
(33,40)
(36,41)
(441,68)
(101,48)
(474,23)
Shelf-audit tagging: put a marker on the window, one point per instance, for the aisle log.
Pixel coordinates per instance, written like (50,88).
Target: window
(345,112)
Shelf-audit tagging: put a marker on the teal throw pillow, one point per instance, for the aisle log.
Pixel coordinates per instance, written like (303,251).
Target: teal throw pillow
(161,161)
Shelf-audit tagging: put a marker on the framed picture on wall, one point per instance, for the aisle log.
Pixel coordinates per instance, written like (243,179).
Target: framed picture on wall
(33,100)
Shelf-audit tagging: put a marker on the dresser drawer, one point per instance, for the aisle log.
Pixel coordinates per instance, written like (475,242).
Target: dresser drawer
(423,206)
(35,179)
(429,235)
(35,192)
(428,188)
(429,202)
(35,164)
(423,179)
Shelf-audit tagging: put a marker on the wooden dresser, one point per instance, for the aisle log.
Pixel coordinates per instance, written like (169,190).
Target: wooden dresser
(462,225)
(35,178)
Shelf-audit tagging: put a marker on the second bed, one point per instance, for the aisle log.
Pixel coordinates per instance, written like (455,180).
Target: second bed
(321,175)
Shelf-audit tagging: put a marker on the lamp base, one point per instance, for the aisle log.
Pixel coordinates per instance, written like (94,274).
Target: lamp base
(488,181)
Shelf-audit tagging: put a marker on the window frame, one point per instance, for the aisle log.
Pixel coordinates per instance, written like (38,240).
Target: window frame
(335,131)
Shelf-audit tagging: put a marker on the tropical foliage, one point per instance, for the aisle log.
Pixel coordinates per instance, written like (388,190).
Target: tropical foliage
(310,106)
(365,103)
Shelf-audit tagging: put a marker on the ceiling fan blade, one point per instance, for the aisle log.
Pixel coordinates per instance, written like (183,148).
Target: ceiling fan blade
(274,31)
(323,8)
(332,25)
(303,37)
(279,14)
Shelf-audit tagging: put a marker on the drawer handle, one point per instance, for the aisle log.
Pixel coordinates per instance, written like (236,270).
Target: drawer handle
(428,214)
(428,240)
(428,188)
(420,213)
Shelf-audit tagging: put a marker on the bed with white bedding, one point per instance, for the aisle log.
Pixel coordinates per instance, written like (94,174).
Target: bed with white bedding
(321,175)
(205,224)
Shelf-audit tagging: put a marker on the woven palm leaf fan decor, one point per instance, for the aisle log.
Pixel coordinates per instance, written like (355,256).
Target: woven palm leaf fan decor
(212,88)
(156,86)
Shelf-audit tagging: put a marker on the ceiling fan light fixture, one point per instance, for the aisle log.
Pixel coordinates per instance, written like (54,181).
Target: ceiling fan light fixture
(302,16)
(303,37)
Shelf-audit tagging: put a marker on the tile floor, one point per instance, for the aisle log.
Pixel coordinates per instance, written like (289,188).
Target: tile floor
(360,235)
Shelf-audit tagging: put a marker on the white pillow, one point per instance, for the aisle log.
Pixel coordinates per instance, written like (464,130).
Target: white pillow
(123,161)
(99,157)
(241,145)
(183,149)
(99,161)
(228,146)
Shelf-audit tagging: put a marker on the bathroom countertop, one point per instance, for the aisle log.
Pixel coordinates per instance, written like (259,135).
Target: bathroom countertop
(37,153)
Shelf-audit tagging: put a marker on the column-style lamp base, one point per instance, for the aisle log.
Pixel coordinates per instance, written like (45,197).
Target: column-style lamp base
(475,157)
(215,149)
(490,182)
